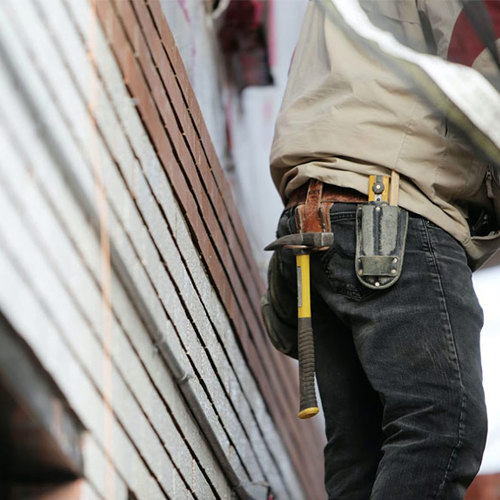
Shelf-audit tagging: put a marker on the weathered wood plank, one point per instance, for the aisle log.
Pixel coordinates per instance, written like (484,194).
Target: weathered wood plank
(29,319)
(34,140)
(199,126)
(24,188)
(107,170)
(85,292)
(164,196)
(292,424)
(141,145)
(100,470)
(97,365)
(194,165)
(265,373)
(165,282)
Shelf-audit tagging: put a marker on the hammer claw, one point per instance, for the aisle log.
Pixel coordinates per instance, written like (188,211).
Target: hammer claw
(303,241)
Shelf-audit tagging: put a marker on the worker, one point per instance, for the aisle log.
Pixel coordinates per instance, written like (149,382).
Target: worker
(397,355)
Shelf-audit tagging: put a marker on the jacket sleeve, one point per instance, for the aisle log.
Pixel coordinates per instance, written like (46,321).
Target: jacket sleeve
(456,38)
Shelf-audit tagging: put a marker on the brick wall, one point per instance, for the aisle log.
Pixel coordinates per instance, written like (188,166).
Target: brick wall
(126,268)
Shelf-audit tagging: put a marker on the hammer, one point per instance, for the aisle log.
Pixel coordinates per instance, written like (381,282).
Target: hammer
(302,245)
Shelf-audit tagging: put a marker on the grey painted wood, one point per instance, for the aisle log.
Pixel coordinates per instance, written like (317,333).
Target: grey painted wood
(12,170)
(122,147)
(179,229)
(35,272)
(30,319)
(36,212)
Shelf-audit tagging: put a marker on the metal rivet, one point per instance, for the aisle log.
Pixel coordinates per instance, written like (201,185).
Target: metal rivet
(377,186)
(360,272)
(377,283)
(393,271)
(395,260)
(377,209)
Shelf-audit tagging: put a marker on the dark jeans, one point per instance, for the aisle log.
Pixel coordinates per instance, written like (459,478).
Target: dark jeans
(398,370)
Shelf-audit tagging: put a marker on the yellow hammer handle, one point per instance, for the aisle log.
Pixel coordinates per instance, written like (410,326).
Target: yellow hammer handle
(304,286)
(308,403)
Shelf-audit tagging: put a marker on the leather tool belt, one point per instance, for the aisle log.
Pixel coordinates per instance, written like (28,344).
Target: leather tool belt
(380,228)
(313,201)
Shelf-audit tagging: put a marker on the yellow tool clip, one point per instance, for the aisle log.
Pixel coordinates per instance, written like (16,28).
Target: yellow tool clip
(378,188)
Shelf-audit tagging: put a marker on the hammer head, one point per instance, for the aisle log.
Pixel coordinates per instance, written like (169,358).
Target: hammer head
(306,242)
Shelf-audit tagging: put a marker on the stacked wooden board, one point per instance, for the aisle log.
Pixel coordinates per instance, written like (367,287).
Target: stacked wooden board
(126,267)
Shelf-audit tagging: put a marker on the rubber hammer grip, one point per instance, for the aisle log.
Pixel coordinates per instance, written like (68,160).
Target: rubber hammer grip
(308,404)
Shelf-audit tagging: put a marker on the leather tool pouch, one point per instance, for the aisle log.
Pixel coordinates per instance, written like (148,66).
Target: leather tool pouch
(313,216)
(380,244)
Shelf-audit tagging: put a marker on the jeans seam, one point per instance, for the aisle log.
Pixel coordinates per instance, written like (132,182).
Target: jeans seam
(434,264)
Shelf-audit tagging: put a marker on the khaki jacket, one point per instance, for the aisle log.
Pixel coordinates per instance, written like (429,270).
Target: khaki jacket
(345,115)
